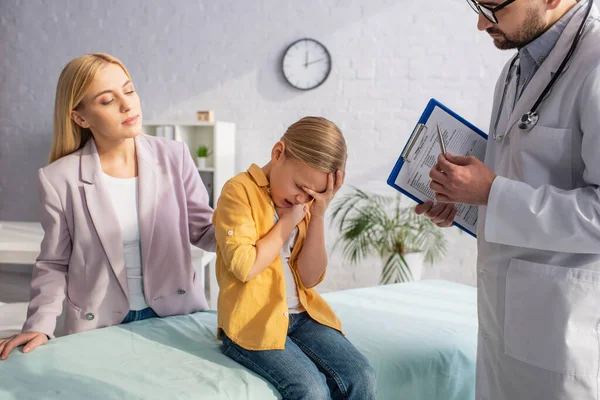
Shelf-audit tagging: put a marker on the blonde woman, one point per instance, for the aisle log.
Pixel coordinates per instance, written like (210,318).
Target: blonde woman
(119,210)
(269,225)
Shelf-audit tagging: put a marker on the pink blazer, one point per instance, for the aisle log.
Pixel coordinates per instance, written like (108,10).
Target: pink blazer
(82,251)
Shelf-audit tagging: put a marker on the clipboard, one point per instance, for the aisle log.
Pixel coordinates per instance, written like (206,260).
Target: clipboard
(415,144)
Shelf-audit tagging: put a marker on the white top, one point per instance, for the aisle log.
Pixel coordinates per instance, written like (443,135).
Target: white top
(124,196)
(291,289)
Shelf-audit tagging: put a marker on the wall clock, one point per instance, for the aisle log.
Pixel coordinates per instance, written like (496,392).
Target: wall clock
(306,64)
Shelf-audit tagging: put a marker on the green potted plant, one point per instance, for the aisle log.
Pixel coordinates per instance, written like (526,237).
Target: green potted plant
(202,152)
(376,225)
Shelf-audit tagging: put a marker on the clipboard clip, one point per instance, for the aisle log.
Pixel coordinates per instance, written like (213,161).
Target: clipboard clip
(413,139)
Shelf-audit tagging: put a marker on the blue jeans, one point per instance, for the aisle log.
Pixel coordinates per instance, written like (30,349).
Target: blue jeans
(138,315)
(317,362)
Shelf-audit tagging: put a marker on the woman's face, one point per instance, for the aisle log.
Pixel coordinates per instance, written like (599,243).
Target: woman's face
(111,107)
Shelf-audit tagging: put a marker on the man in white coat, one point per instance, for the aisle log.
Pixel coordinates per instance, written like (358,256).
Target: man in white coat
(539,206)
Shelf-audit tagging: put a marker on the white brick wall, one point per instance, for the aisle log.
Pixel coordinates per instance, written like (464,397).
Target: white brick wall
(389,58)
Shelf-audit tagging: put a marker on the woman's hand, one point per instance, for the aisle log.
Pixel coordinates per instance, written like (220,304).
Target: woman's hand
(322,200)
(31,340)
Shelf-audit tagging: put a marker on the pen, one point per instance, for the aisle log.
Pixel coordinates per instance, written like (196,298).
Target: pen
(441,140)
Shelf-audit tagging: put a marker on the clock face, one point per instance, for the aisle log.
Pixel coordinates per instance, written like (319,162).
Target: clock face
(306,64)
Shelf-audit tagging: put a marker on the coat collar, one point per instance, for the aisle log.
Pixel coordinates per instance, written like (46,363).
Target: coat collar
(544,74)
(89,164)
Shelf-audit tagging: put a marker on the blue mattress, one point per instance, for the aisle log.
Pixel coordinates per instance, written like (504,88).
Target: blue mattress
(419,336)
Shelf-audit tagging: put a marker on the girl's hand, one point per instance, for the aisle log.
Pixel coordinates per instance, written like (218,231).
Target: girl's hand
(293,214)
(322,200)
(31,340)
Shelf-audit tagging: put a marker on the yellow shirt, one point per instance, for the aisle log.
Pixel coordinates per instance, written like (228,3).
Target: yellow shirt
(254,313)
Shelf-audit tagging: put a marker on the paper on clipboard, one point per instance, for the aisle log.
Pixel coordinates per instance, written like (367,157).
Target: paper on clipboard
(421,153)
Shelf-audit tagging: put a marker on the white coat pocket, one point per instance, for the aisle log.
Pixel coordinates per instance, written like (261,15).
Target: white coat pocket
(546,156)
(551,317)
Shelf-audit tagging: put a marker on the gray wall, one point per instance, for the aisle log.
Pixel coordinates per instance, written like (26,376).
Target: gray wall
(389,58)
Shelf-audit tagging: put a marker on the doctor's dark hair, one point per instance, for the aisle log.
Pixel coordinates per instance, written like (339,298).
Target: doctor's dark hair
(316,142)
(75,79)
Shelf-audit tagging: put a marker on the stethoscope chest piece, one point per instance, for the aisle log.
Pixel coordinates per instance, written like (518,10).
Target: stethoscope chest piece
(529,120)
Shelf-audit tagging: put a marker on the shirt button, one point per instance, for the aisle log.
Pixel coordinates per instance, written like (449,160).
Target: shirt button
(181,291)
(229,232)
(286,313)
(89,316)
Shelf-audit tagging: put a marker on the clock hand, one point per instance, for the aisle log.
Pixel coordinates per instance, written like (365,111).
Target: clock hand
(306,59)
(315,61)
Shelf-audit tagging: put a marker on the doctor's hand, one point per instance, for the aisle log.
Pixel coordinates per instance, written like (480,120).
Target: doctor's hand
(441,214)
(459,179)
(31,340)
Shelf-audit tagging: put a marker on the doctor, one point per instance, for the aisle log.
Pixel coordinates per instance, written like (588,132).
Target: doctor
(539,216)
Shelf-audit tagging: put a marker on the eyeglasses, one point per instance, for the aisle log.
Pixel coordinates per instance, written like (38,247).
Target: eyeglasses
(489,13)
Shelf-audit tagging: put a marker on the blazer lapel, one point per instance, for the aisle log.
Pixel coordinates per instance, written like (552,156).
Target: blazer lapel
(102,212)
(147,193)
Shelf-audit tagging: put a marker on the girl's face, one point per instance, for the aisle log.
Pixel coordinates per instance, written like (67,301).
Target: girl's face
(110,108)
(288,176)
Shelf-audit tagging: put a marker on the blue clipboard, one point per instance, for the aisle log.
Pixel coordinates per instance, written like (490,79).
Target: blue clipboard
(433,103)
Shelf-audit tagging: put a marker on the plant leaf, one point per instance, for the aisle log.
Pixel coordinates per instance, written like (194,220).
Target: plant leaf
(372,224)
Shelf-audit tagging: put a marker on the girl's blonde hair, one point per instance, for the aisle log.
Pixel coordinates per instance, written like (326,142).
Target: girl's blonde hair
(318,143)
(74,81)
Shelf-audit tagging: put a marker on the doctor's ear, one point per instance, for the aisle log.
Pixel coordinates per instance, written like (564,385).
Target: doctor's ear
(79,120)
(553,4)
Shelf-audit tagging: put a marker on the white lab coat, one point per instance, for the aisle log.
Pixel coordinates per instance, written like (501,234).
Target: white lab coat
(539,236)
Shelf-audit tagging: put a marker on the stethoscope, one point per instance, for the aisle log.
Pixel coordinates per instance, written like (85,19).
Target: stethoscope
(531,117)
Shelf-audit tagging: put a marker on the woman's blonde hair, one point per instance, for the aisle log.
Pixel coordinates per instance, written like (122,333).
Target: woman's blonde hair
(74,81)
(318,143)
